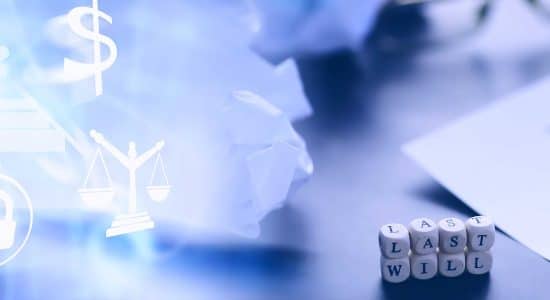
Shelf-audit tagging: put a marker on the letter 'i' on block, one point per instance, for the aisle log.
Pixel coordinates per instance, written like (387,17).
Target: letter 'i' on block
(395,270)
(451,265)
(424,236)
(394,241)
(481,233)
(452,235)
(424,266)
(479,262)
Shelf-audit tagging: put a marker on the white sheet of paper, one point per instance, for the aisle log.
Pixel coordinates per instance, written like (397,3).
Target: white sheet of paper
(497,160)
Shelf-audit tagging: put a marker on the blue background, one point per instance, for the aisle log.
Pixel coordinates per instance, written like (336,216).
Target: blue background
(323,244)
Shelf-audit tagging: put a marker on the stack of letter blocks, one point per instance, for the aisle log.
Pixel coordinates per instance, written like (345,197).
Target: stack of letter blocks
(425,248)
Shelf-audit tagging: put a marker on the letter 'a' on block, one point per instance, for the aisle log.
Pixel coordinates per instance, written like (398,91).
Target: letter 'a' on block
(481,233)
(394,241)
(424,236)
(395,270)
(451,265)
(424,266)
(452,235)
(479,262)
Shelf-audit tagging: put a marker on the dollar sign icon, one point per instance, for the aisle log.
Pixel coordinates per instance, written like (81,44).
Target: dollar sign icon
(77,70)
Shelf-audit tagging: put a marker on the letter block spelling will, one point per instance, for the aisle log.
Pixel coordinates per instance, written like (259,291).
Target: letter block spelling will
(394,241)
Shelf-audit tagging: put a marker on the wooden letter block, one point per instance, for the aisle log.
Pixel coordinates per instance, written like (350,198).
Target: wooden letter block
(395,270)
(452,236)
(424,236)
(424,266)
(479,262)
(451,265)
(481,233)
(394,241)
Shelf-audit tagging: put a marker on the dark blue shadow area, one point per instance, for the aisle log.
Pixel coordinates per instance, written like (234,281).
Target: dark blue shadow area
(332,84)
(466,286)
(343,87)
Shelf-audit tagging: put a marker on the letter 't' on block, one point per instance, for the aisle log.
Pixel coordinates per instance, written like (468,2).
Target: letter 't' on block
(424,236)
(451,265)
(394,241)
(424,266)
(395,270)
(452,235)
(479,262)
(481,233)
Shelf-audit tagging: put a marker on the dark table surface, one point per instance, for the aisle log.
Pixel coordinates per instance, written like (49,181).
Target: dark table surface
(366,108)
(323,244)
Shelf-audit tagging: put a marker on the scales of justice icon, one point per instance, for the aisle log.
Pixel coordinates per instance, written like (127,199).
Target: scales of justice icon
(133,220)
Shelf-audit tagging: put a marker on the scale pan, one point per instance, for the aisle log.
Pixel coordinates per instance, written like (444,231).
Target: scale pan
(99,198)
(158,193)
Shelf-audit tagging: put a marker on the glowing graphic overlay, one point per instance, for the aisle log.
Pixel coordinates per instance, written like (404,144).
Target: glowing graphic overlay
(5,197)
(24,125)
(77,70)
(4,54)
(25,128)
(132,221)
(7,224)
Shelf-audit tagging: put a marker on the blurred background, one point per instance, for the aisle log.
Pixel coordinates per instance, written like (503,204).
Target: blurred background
(345,83)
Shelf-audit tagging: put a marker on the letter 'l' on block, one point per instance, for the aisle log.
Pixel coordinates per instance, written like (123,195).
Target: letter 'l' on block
(394,241)
(479,262)
(395,270)
(451,265)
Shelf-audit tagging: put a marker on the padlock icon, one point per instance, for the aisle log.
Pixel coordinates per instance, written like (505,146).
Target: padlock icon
(7,225)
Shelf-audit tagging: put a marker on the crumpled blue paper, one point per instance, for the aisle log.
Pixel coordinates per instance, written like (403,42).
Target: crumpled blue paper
(262,161)
(292,28)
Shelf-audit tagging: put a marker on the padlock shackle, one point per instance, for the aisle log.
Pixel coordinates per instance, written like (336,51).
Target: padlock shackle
(8,204)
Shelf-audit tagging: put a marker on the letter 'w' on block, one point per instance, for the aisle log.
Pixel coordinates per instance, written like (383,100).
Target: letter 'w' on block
(394,241)
(424,236)
(395,270)
(481,233)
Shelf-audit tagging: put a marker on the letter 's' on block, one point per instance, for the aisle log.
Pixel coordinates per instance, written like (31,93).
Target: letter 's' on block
(452,235)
